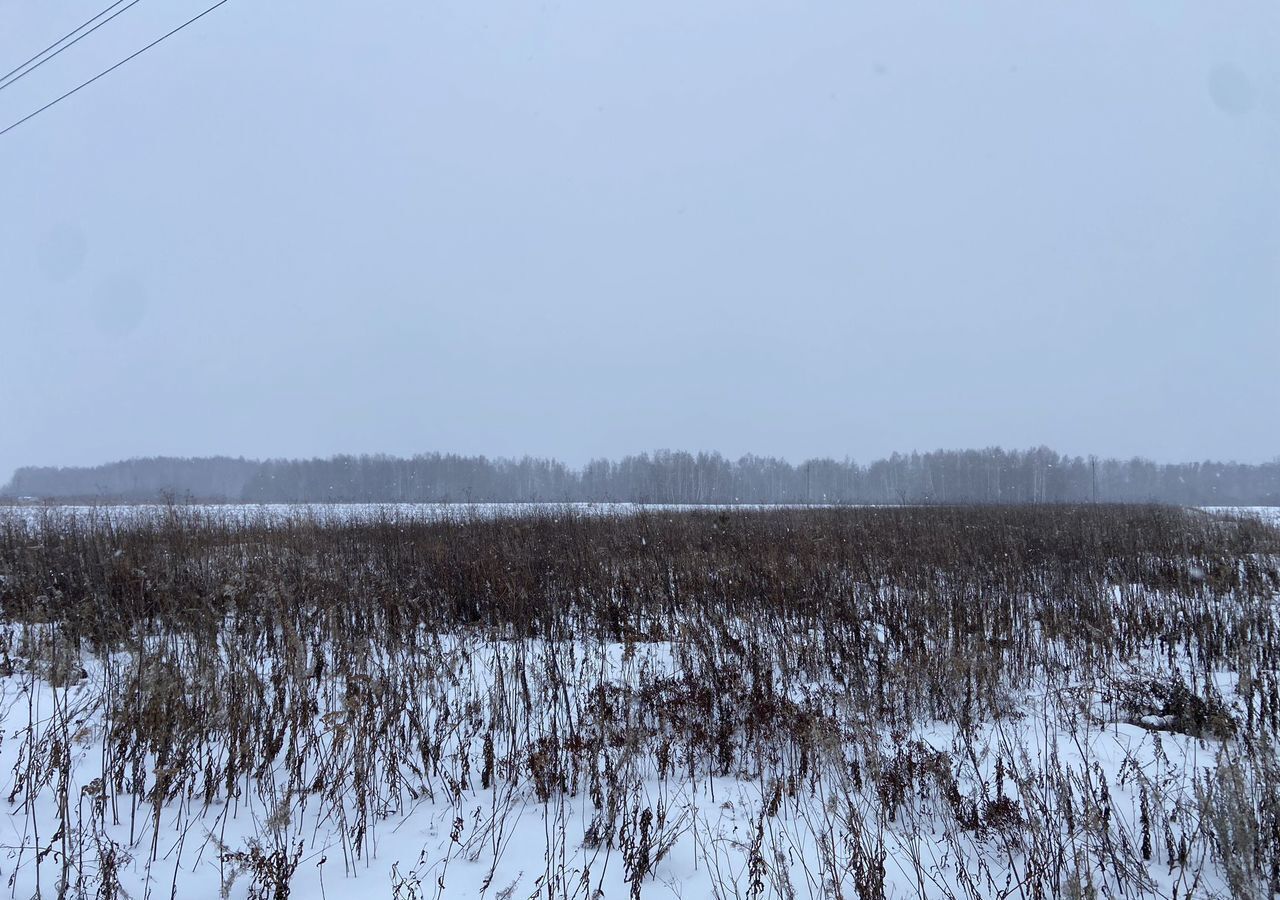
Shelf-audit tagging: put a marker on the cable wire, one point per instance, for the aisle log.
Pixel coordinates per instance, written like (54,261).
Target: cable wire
(105,72)
(6,80)
(63,38)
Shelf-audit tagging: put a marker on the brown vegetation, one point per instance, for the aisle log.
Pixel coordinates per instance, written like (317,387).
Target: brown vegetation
(283,669)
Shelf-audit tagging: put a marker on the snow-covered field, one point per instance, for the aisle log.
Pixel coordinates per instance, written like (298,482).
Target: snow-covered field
(338,512)
(231,513)
(1102,737)
(1269,514)
(684,832)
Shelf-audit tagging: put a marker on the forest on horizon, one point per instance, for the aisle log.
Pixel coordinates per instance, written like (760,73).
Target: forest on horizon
(992,475)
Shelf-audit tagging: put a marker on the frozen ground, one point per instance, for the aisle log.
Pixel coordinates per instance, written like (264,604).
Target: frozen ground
(1265,513)
(708,834)
(728,758)
(340,512)
(324,512)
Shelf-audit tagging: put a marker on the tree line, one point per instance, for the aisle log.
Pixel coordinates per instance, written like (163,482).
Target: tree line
(992,475)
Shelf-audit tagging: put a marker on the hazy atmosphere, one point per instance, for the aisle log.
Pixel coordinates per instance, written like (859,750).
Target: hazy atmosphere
(704,450)
(579,229)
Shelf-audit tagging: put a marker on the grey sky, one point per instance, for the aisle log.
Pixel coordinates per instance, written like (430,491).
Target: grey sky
(590,228)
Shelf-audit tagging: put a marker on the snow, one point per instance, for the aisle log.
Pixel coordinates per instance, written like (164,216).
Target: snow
(506,842)
(718,835)
(233,513)
(1269,514)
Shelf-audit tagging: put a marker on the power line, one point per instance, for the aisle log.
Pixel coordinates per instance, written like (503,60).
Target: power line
(63,38)
(6,80)
(105,72)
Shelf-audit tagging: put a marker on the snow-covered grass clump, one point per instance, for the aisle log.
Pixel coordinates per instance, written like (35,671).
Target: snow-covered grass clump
(857,703)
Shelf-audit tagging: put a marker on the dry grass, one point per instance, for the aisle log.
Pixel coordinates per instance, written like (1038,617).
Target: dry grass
(295,671)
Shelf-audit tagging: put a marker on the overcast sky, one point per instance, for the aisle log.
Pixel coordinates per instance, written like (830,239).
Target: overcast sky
(590,228)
